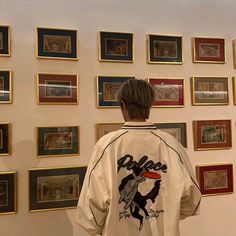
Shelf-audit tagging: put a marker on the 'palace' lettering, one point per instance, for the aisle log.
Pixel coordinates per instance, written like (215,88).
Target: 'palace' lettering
(128,162)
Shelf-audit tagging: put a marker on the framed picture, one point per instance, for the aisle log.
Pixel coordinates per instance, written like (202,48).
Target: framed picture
(55,188)
(165,49)
(169,92)
(107,89)
(8,192)
(105,128)
(208,50)
(177,130)
(215,179)
(5,48)
(234,89)
(234,52)
(5,86)
(210,91)
(57,88)
(5,138)
(212,134)
(115,46)
(57,43)
(58,141)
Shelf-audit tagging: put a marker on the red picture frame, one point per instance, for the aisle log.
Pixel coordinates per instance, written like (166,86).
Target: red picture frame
(212,134)
(57,88)
(215,179)
(169,92)
(208,50)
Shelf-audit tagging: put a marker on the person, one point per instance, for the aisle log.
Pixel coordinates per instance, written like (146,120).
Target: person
(139,180)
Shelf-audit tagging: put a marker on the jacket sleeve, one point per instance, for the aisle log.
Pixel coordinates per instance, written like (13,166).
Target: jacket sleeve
(93,201)
(191,198)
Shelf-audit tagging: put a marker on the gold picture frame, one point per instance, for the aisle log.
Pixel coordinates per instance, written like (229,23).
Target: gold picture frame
(105,128)
(6,96)
(57,88)
(5,138)
(49,43)
(5,40)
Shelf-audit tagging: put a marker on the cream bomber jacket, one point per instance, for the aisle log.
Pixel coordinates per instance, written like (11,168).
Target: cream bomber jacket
(139,181)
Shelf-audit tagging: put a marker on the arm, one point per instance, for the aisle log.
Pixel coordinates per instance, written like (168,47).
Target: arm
(93,202)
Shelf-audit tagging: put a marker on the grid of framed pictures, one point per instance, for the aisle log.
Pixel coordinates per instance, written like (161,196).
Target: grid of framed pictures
(165,49)
(169,92)
(55,188)
(57,88)
(215,179)
(8,192)
(57,43)
(5,42)
(107,88)
(57,141)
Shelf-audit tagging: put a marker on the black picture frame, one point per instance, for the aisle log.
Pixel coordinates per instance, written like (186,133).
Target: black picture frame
(57,43)
(5,138)
(116,46)
(5,86)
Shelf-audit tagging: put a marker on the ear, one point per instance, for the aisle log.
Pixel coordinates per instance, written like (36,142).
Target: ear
(122,105)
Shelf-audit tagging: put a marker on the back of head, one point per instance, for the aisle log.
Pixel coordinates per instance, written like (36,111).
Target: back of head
(138,96)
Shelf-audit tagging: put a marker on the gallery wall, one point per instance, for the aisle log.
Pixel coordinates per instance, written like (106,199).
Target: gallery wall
(189,18)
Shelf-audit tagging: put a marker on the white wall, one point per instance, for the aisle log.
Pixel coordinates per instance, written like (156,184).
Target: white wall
(214,18)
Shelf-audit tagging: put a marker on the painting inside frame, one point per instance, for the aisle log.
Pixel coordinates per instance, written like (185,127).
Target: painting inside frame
(8,193)
(58,141)
(115,46)
(215,179)
(5,145)
(55,188)
(4,40)
(107,89)
(208,50)
(5,86)
(57,88)
(212,134)
(105,128)
(210,91)
(168,92)
(57,43)
(177,130)
(165,49)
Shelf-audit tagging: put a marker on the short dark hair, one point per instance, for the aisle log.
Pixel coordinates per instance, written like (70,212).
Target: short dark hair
(138,96)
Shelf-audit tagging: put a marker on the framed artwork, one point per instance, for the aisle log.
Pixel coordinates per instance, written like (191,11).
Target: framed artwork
(215,179)
(105,128)
(177,130)
(57,141)
(169,92)
(234,89)
(55,188)
(116,46)
(165,49)
(57,88)
(212,134)
(234,52)
(8,192)
(57,43)
(107,89)
(210,91)
(5,48)
(5,138)
(208,50)
(5,86)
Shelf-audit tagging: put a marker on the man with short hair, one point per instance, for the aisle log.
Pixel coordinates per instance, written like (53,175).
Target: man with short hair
(139,179)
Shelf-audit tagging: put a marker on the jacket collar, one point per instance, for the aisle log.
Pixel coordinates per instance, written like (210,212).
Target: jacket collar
(139,125)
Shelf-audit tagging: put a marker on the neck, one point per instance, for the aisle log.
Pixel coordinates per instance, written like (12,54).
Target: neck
(137,120)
